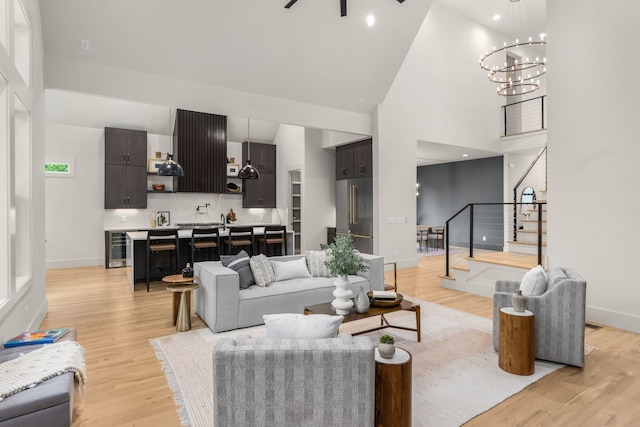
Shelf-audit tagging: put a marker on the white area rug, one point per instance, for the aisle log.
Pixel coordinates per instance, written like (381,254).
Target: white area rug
(455,369)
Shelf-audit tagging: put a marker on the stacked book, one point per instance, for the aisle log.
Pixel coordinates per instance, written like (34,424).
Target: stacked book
(47,336)
(384,295)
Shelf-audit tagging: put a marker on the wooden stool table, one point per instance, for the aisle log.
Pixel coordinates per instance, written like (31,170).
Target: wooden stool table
(181,288)
(517,345)
(393,390)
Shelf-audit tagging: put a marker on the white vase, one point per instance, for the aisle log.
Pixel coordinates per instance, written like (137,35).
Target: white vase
(361,301)
(343,295)
(386,350)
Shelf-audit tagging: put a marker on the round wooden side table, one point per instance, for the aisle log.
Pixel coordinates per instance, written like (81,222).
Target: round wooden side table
(393,390)
(181,288)
(517,343)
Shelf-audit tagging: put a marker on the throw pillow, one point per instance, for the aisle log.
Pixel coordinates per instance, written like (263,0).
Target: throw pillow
(316,263)
(534,282)
(240,264)
(294,269)
(262,270)
(299,326)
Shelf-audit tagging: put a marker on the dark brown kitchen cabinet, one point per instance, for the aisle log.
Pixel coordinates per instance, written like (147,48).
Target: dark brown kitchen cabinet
(260,193)
(125,172)
(354,160)
(200,146)
(262,156)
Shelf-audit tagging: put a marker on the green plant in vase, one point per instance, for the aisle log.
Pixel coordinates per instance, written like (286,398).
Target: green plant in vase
(387,347)
(342,261)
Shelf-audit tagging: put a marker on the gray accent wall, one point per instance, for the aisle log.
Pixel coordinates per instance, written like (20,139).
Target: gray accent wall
(446,188)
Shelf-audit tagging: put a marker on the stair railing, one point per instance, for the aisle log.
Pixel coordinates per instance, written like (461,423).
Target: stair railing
(524,176)
(470,207)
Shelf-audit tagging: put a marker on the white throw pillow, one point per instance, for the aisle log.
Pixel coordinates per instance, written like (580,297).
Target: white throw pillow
(262,270)
(299,326)
(316,263)
(534,282)
(294,269)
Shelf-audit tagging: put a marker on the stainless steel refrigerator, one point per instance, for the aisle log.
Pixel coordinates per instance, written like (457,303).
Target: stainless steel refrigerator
(354,211)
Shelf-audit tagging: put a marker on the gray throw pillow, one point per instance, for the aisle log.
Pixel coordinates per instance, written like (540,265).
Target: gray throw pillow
(240,264)
(262,270)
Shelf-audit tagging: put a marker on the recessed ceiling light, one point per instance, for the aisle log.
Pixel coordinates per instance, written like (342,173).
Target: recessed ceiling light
(496,17)
(371,20)
(465,155)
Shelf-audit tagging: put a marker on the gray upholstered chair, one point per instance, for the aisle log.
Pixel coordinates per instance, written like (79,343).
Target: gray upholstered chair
(559,312)
(291,383)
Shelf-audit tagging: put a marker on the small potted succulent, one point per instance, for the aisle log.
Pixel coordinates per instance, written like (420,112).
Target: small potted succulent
(386,348)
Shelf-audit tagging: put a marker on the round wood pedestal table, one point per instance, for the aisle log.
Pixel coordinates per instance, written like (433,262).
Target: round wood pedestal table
(393,390)
(517,344)
(181,288)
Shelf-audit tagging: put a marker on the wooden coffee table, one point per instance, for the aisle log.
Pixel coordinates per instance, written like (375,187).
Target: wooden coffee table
(326,308)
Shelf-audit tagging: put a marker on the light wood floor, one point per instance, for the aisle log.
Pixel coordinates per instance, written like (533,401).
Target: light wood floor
(126,385)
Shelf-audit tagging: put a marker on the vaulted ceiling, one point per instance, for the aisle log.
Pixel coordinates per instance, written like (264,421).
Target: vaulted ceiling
(307,53)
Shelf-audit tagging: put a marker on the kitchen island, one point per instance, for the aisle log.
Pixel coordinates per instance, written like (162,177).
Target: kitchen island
(136,264)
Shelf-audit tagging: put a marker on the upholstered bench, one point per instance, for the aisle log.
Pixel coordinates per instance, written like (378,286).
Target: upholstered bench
(50,403)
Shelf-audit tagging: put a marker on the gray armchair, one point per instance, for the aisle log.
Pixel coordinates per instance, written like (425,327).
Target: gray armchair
(264,382)
(559,312)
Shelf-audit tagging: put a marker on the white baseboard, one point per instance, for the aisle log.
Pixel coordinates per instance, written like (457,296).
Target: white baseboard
(73,263)
(616,319)
(38,316)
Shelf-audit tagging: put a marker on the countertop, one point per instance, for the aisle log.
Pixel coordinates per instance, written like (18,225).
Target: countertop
(258,229)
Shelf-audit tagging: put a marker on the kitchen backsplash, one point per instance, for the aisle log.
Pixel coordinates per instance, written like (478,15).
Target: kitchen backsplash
(182,209)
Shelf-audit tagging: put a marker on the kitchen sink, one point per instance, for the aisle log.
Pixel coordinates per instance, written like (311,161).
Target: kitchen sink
(190,225)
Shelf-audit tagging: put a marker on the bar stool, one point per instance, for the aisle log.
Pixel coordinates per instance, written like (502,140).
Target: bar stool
(274,235)
(205,238)
(162,241)
(240,237)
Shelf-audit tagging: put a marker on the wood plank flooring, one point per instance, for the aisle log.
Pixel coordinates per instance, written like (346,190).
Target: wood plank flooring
(126,385)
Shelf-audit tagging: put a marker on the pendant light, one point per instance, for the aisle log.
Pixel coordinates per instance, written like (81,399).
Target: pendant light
(248,171)
(170,167)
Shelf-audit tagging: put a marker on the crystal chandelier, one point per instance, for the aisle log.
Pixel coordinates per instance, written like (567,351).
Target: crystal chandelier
(512,66)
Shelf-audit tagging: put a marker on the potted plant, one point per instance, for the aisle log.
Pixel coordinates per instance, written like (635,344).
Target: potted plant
(341,262)
(386,348)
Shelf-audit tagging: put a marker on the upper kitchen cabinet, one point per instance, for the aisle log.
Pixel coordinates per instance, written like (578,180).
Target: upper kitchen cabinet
(354,160)
(200,146)
(125,172)
(260,193)
(262,156)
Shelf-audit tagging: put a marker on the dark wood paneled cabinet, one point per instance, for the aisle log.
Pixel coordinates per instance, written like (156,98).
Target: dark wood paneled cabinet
(125,172)
(200,146)
(260,193)
(354,160)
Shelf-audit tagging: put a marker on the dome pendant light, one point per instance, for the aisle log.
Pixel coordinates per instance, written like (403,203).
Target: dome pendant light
(170,167)
(248,171)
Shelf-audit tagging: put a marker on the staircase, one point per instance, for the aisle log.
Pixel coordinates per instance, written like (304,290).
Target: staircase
(477,270)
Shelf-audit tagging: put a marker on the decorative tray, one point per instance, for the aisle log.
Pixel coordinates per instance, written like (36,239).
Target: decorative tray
(384,303)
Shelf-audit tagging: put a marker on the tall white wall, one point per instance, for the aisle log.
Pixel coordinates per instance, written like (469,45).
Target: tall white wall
(26,307)
(318,191)
(439,95)
(289,156)
(593,154)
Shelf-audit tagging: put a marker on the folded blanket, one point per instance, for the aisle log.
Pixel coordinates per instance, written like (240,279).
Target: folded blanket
(34,367)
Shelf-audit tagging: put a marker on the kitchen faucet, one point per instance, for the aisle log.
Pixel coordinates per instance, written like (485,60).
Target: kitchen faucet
(224,223)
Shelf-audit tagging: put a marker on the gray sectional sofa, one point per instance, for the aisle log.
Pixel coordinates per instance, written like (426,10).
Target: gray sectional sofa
(48,404)
(223,306)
